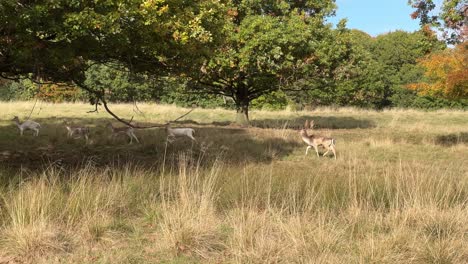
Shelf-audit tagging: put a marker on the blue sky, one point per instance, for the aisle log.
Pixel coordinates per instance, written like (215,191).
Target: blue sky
(376,16)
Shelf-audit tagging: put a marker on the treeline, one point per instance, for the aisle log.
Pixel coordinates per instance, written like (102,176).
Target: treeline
(377,72)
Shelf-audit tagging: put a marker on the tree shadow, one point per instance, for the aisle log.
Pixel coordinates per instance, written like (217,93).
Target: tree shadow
(214,123)
(231,145)
(452,139)
(324,122)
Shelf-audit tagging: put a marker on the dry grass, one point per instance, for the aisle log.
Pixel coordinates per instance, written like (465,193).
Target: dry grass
(398,192)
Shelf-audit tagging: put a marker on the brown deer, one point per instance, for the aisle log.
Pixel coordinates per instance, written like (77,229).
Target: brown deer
(315,140)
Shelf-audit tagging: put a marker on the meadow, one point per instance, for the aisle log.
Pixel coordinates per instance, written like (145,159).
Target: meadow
(397,193)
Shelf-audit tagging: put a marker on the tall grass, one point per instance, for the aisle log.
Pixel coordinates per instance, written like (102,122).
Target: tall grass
(393,196)
(402,213)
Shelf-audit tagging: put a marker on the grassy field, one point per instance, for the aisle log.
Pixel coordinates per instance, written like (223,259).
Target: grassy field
(398,192)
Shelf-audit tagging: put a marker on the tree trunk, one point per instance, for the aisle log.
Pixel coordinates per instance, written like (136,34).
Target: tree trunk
(242,117)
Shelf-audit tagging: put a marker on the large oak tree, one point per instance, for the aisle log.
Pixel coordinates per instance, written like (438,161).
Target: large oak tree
(267,44)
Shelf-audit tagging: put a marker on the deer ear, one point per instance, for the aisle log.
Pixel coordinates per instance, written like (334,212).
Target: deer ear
(306,124)
(311,124)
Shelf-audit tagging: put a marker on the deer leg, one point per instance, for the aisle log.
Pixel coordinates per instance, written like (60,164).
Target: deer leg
(170,139)
(316,151)
(130,136)
(135,138)
(328,148)
(326,152)
(307,149)
(334,152)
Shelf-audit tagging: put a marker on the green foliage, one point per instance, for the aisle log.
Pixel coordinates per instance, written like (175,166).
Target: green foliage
(360,80)
(120,85)
(25,89)
(175,92)
(399,49)
(276,100)
(20,90)
(397,54)
(57,39)
(404,98)
(266,42)
(368,72)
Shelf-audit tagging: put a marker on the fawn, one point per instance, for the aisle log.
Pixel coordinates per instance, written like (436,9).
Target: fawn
(129,131)
(27,125)
(176,132)
(79,131)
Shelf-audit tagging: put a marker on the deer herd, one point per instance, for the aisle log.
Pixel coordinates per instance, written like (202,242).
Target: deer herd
(312,140)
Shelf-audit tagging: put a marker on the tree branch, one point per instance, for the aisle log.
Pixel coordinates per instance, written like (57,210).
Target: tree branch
(100,97)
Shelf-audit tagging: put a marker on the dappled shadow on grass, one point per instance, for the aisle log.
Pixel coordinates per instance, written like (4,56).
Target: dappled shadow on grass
(324,122)
(231,145)
(452,139)
(321,122)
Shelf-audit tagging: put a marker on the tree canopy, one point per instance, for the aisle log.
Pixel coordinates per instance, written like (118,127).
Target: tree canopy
(446,73)
(451,19)
(268,42)
(58,39)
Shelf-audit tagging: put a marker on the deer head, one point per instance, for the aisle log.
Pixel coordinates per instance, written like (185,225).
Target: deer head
(307,125)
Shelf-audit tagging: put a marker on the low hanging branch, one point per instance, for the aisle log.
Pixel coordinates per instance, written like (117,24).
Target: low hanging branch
(137,126)
(95,108)
(180,117)
(100,97)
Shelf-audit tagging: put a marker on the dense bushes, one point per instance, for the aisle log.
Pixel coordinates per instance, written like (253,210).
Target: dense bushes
(22,90)
(404,98)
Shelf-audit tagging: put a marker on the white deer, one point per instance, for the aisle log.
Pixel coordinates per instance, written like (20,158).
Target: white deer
(129,131)
(79,131)
(315,140)
(27,125)
(172,133)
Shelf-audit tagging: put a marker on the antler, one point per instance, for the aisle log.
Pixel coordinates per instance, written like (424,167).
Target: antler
(311,124)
